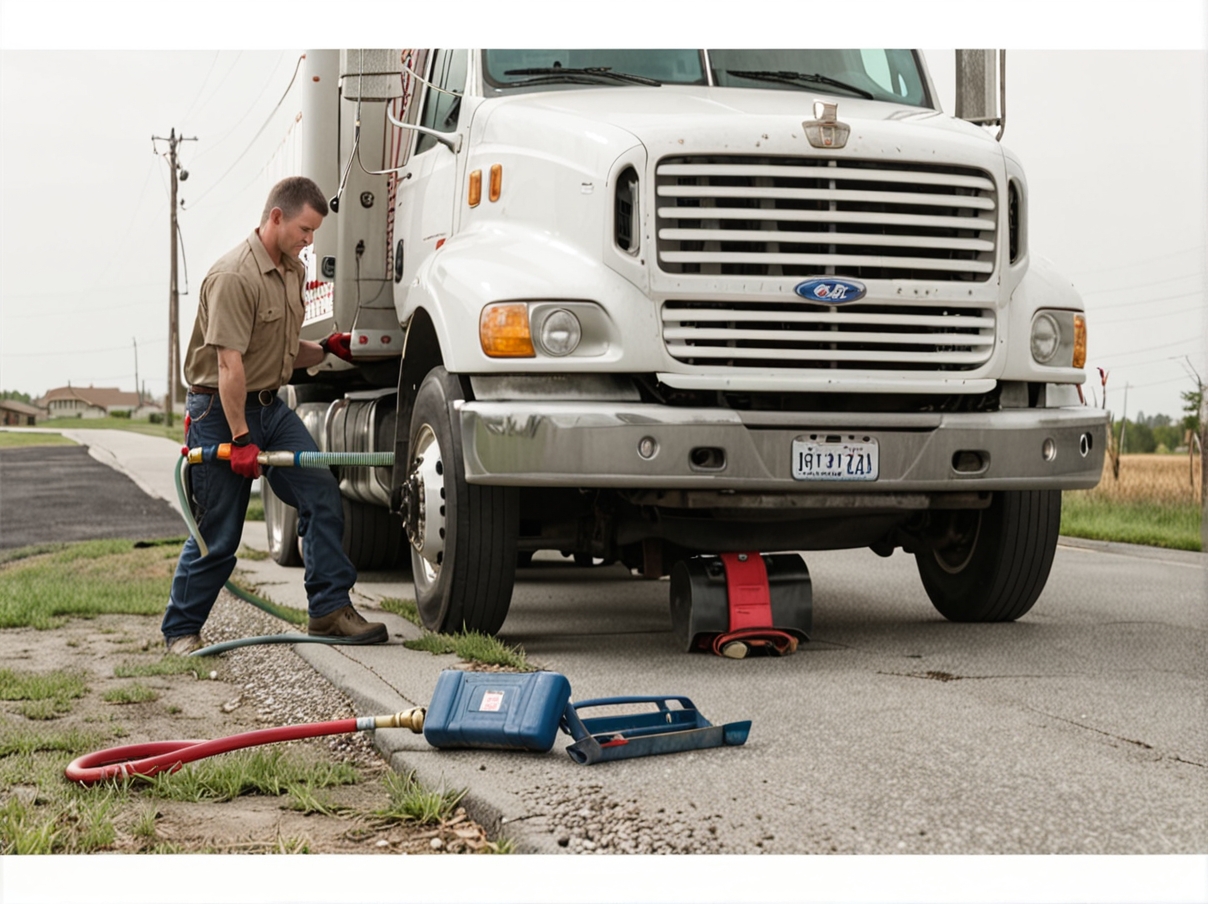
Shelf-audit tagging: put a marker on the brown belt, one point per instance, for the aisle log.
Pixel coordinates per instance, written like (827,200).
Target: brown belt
(264,397)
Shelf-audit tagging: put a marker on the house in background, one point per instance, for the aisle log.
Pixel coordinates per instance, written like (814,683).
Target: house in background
(93,402)
(19,414)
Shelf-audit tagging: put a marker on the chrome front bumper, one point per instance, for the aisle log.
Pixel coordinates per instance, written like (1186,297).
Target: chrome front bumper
(595,444)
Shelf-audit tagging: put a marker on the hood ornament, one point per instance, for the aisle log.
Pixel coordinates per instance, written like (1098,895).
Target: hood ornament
(825,130)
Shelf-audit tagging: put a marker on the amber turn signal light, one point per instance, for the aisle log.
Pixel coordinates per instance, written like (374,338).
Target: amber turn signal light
(496,187)
(475,188)
(503,330)
(1079,340)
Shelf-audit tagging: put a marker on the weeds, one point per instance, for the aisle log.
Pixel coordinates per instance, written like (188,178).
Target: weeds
(252,555)
(474,647)
(411,802)
(168,665)
(247,772)
(303,798)
(406,608)
(135,693)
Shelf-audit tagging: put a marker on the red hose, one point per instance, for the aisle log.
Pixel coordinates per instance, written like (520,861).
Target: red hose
(168,756)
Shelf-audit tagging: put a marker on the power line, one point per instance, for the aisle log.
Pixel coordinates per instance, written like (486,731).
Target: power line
(1139,263)
(1149,316)
(1135,303)
(1152,348)
(259,132)
(87,351)
(1155,282)
(205,81)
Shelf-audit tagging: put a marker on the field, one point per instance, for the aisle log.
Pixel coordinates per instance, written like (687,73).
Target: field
(1154,502)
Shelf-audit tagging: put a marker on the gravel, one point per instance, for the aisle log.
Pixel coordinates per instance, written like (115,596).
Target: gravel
(282,687)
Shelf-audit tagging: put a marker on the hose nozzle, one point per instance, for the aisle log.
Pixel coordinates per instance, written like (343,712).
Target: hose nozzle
(411,718)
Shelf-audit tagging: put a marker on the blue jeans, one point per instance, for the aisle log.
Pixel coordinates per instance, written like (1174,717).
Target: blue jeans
(220,498)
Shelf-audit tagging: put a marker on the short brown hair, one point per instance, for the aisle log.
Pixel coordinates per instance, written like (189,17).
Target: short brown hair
(291,195)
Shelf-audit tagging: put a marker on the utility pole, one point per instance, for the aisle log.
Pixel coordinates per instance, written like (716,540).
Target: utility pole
(137,390)
(178,174)
(1124,419)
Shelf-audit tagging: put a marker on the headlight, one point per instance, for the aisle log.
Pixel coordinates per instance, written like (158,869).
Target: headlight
(560,333)
(1046,338)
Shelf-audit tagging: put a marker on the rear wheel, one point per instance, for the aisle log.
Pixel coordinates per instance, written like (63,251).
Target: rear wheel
(373,538)
(463,536)
(281,525)
(996,561)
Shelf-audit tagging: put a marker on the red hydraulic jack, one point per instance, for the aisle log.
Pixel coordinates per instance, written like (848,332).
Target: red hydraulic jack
(741,603)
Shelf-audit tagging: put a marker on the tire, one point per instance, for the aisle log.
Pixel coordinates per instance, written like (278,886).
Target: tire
(463,552)
(1000,561)
(373,538)
(281,525)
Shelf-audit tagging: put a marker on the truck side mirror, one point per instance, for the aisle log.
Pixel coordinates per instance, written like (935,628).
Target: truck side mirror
(981,87)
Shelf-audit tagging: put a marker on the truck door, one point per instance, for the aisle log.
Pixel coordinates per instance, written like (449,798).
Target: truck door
(427,189)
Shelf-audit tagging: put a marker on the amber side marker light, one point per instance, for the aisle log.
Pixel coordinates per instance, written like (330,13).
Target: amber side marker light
(475,188)
(496,186)
(503,330)
(1079,340)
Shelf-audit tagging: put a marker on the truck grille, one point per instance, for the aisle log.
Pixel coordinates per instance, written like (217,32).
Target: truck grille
(776,216)
(805,336)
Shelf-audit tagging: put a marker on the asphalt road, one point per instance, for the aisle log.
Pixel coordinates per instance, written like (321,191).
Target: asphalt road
(62,494)
(1078,729)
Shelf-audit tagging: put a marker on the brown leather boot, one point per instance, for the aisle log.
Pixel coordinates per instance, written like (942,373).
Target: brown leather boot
(349,623)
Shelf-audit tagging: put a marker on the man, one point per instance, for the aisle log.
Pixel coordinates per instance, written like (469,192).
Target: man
(245,344)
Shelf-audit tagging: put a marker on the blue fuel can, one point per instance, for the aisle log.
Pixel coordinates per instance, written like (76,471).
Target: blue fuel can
(496,710)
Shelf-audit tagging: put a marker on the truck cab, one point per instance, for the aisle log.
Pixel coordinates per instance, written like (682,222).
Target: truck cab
(642,305)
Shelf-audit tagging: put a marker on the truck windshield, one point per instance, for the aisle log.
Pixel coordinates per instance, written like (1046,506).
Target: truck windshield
(888,75)
(542,68)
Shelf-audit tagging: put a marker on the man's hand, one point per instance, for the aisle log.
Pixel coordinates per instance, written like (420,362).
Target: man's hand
(243,460)
(338,344)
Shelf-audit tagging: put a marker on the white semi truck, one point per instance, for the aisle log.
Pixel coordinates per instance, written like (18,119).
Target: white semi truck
(639,305)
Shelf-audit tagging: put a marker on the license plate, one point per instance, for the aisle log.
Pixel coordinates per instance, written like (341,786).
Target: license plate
(829,456)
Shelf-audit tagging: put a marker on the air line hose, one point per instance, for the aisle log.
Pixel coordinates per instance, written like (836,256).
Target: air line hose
(272,459)
(168,756)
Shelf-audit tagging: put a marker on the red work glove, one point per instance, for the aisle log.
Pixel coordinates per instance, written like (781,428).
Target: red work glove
(338,344)
(243,460)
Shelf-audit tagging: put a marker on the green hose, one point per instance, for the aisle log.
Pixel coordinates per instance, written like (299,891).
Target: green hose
(293,616)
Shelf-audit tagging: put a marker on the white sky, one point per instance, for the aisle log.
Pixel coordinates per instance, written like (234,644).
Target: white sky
(1113,135)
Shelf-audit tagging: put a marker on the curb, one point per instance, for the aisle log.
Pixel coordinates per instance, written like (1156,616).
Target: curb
(1181,556)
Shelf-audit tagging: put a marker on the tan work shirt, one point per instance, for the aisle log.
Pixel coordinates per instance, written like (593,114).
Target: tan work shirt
(248,305)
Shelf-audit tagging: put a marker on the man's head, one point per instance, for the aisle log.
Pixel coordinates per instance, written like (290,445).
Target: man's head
(294,210)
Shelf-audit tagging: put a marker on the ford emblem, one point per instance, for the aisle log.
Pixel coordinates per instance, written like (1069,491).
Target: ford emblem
(831,290)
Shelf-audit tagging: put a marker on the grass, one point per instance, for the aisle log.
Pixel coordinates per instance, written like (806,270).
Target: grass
(168,665)
(59,817)
(84,580)
(471,646)
(256,771)
(12,440)
(1154,502)
(175,432)
(134,693)
(474,647)
(411,802)
(44,696)
(406,608)
(252,555)
(255,509)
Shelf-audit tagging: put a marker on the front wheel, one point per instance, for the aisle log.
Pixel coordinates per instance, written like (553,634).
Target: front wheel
(463,536)
(995,561)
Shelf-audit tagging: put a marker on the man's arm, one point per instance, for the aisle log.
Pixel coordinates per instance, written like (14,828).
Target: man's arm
(309,354)
(232,389)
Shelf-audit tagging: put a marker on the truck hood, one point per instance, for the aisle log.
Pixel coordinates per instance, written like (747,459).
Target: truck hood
(699,119)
